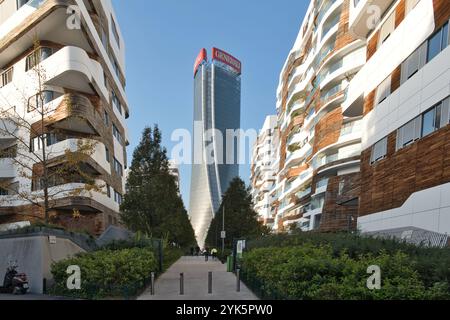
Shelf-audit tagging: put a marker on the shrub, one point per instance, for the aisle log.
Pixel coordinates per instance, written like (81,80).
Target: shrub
(106,273)
(334,266)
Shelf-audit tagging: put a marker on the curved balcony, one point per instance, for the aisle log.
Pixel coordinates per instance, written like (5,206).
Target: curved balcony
(72,68)
(361,14)
(98,156)
(74,112)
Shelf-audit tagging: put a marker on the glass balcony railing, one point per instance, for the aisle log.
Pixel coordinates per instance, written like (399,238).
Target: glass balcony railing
(303,193)
(324,9)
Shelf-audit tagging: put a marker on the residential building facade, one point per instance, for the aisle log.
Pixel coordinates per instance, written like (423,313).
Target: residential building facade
(263,169)
(317,185)
(80,49)
(217,106)
(403,93)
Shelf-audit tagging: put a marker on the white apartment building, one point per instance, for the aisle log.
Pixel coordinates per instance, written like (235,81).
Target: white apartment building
(79,46)
(319,153)
(403,94)
(263,171)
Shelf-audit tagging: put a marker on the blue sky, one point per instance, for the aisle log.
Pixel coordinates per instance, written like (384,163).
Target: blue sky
(163,38)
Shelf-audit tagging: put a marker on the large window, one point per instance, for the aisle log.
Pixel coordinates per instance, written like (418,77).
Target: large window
(37,56)
(118,167)
(117,197)
(387,28)
(115,31)
(379,150)
(410,4)
(116,102)
(6,77)
(117,134)
(21,3)
(431,120)
(438,42)
(409,133)
(383,91)
(40,100)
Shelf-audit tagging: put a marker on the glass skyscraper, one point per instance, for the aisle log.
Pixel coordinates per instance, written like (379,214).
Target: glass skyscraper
(217,111)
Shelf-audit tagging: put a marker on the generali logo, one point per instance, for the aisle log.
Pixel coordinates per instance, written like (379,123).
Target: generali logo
(226,58)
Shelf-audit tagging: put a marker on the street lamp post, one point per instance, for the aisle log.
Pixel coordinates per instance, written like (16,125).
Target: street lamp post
(223,229)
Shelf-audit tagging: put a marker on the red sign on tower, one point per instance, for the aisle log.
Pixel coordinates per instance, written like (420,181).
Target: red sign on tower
(202,56)
(226,58)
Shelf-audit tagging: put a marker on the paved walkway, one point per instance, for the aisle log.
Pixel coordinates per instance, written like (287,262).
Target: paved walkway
(195,270)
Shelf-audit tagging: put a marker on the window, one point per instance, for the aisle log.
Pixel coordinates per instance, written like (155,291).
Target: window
(437,42)
(106,118)
(108,190)
(6,77)
(116,102)
(115,31)
(21,3)
(53,138)
(383,91)
(387,28)
(410,4)
(38,101)
(37,56)
(431,120)
(118,167)
(117,134)
(379,150)
(3,192)
(412,65)
(409,133)
(107,154)
(117,197)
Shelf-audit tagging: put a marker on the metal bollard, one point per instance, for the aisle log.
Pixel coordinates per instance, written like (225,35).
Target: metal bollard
(210,282)
(152,284)
(181,284)
(238,280)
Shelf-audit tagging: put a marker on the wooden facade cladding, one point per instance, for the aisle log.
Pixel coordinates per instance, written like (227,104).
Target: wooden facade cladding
(340,209)
(343,36)
(400,12)
(441,12)
(395,78)
(295,172)
(388,183)
(328,130)
(77,105)
(369,102)
(372,45)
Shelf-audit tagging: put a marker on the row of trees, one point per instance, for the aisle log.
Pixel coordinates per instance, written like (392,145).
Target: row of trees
(152,203)
(240,218)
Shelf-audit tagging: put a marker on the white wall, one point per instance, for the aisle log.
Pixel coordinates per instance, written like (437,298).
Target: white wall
(428,209)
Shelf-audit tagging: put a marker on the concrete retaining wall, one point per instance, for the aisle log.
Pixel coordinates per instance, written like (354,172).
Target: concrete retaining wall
(34,255)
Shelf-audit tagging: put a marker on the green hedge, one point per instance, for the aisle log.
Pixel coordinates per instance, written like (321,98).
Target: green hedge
(107,273)
(309,272)
(334,266)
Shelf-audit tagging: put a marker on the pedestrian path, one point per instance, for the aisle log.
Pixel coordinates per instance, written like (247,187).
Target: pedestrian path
(195,270)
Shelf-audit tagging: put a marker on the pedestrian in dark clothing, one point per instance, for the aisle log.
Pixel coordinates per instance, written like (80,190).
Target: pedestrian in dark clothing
(206,253)
(197,250)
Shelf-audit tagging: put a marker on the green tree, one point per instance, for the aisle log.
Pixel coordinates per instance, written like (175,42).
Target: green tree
(152,204)
(240,218)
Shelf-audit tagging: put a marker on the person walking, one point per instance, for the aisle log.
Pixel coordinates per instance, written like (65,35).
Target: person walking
(197,250)
(206,253)
(214,254)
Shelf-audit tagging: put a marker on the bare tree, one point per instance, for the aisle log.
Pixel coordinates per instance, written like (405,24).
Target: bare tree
(45,180)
